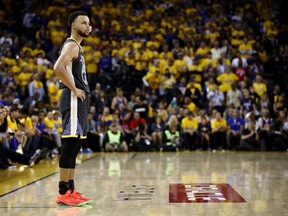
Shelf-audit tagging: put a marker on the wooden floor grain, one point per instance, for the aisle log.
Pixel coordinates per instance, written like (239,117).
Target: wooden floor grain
(261,178)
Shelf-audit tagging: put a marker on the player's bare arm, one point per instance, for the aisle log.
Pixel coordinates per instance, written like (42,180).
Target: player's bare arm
(69,53)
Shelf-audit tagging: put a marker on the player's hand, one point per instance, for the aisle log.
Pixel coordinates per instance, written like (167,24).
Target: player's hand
(80,94)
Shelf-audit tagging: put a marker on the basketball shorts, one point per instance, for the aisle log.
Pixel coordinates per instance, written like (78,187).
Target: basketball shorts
(74,115)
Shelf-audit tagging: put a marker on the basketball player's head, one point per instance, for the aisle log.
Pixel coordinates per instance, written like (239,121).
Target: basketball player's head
(79,23)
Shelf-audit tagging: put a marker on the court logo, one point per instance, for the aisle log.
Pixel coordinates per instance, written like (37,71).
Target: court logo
(136,192)
(204,192)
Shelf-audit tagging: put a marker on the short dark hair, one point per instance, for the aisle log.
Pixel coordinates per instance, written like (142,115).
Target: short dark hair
(25,111)
(14,107)
(74,15)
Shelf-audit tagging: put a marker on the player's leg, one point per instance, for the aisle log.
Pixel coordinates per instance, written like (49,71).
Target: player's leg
(74,193)
(67,163)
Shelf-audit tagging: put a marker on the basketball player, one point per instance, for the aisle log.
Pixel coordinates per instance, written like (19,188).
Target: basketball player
(74,104)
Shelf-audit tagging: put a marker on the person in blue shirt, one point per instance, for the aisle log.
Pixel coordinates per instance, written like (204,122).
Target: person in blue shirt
(8,98)
(105,62)
(235,126)
(106,74)
(247,103)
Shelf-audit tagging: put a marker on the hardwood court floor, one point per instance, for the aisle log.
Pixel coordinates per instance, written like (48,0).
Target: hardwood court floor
(260,178)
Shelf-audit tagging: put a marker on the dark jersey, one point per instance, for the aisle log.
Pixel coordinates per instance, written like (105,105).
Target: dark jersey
(247,104)
(77,69)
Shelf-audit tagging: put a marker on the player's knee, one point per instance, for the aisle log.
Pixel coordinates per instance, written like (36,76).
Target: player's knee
(70,149)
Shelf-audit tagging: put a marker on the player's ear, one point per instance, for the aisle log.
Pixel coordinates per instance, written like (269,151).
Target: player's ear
(72,25)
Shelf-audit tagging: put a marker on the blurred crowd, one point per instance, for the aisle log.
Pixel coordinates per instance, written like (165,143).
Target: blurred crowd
(169,75)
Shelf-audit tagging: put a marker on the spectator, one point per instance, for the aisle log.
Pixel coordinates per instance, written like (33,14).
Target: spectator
(28,127)
(280,104)
(279,131)
(246,49)
(114,140)
(235,126)
(157,132)
(7,154)
(216,51)
(167,86)
(173,119)
(99,99)
(189,125)
(249,139)
(91,144)
(202,115)
(119,101)
(20,153)
(136,121)
(57,121)
(125,124)
(105,64)
(180,64)
(255,69)
(284,117)
(205,133)
(188,104)
(209,85)
(8,98)
(162,111)
(4,112)
(234,96)
(216,99)
(263,127)
(259,86)
(181,88)
(102,127)
(240,71)
(153,80)
(9,82)
(54,91)
(4,160)
(223,65)
(92,67)
(108,117)
(142,140)
(31,103)
(264,102)
(193,92)
(226,79)
(52,131)
(13,119)
(141,107)
(45,140)
(116,64)
(236,62)
(132,102)
(171,138)
(247,104)
(219,129)
(36,86)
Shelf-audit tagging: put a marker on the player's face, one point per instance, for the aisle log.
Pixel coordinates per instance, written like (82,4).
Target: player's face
(82,26)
